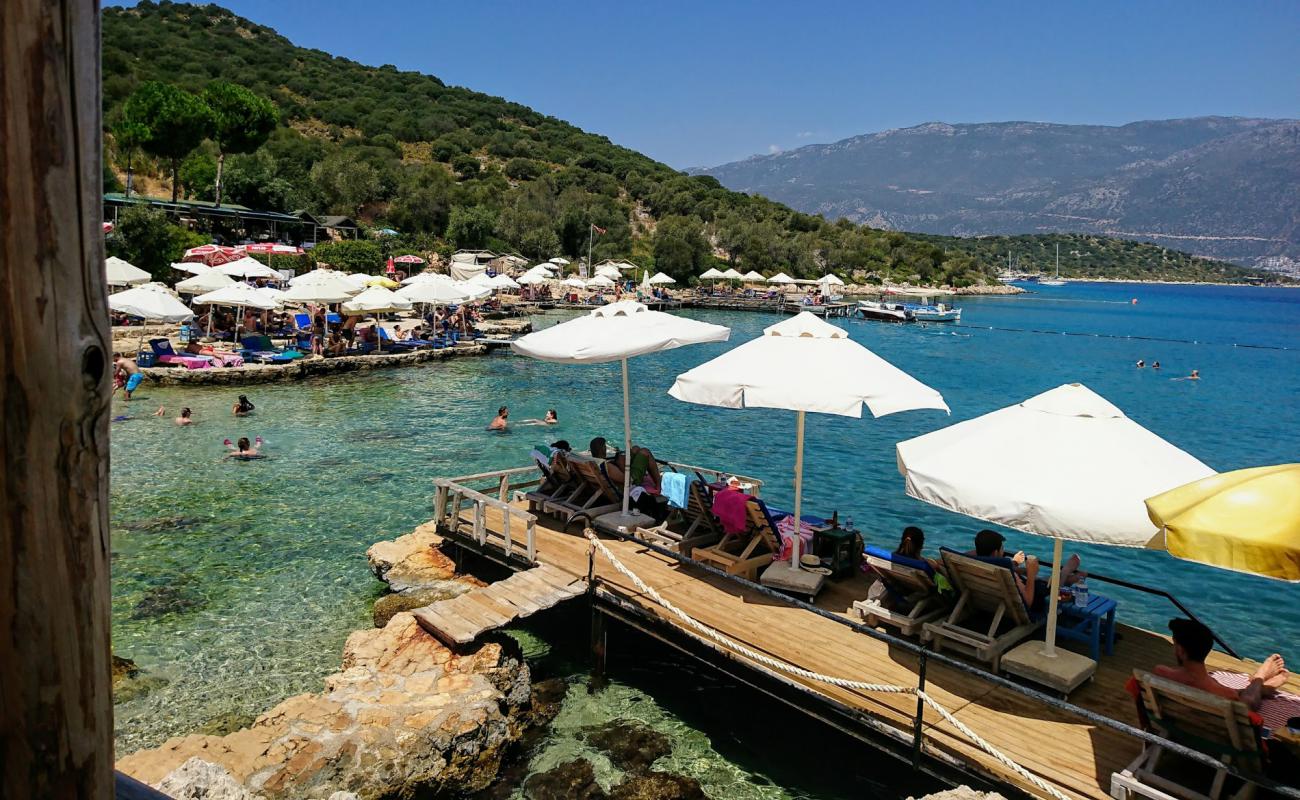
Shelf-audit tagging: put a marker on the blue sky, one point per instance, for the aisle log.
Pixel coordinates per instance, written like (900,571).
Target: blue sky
(701,83)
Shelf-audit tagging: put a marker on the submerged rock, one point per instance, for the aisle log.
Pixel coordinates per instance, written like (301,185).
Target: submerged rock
(130,682)
(123,670)
(411,599)
(412,561)
(171,598)
(572,780)
(658,786)
(160,523)
(405,717)
(630,746)
(961,793)
(228,722)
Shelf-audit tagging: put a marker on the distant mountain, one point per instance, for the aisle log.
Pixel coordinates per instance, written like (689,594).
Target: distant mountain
(1225,187)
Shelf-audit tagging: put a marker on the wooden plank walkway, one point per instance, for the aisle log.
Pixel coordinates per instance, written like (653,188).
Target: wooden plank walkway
(1074,756)
(464,618)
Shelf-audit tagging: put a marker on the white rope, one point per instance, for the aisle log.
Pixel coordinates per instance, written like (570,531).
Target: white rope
(791,669)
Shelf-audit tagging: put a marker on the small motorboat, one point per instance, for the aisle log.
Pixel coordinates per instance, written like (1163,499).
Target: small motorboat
(933,313)
(885,311)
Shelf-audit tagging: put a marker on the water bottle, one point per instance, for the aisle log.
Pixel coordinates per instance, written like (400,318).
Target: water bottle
(848,524)
(1081,593)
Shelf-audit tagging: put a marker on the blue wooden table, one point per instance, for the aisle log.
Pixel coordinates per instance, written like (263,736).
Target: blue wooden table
(1090,624)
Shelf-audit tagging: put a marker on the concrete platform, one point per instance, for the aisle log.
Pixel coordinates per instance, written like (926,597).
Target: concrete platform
(783,577)
(1064,671)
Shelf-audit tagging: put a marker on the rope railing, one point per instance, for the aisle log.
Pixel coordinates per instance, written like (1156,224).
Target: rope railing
(844,683)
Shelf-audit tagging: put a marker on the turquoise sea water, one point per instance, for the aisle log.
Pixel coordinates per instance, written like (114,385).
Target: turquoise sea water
(237,582)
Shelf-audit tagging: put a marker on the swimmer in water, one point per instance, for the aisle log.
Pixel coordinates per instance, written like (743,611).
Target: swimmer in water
(243,449)
(1155,365)
(499,422)
(242,407)
(551,418)
(1141,364)
(184,418)
(1195,376)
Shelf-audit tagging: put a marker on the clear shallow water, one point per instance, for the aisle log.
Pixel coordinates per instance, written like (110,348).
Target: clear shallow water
(250,599)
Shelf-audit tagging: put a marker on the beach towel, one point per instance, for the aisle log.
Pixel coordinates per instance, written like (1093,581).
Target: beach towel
(729,508)
(674,488)
(1273,710)
(786,529)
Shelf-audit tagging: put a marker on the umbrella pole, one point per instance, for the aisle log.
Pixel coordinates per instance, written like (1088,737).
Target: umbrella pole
(1049,648)
(627,444)
(798,490)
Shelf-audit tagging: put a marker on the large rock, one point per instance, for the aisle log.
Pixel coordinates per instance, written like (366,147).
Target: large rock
(629,745)
(391,604)
(961,793)
(658,786)
(197,779)
(406,716)
(572,780)
(412,561)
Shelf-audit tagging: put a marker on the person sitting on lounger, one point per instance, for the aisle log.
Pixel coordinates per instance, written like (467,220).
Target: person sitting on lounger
(337,346)
(645,482)
(1192,644)
(912,545)
(988,544)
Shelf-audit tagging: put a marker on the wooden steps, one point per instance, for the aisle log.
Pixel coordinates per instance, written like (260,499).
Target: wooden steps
(463,619)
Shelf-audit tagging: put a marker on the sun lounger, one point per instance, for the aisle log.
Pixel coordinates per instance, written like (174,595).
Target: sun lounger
(701,528)
(165,355)
(594,497)
(746,552)
(1214,725)
(987,591)
(260,349)
(559,483)
(909,598)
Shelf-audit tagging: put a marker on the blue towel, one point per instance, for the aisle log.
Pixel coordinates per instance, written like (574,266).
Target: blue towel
(674,488)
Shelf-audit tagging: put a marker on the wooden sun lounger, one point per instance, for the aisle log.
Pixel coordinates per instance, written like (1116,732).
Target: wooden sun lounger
(984,588)
(1211,724)
(594,497)
(747,552)
(559,485)
(914,591)
(703,529)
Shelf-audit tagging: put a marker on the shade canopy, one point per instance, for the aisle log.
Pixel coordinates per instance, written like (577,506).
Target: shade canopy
(609,271)
(544,267)
(320,286)
(151,301)
(380,280)
(436,292)
(276,296)
(272,248)
(192,267)
(600,282)
(124,273)
(428,277)
(408,259)
(780,277)
(805,364)
(1247,520)
(532,278)
(614,332)
(733,275)
(357,279)
(574,283)
(754,276)
(377,300)
(248,267)
(212,254)
(830,279)
(558,260)
(239,295)
(660,278)
(504,281)
(711,274)
(207,281)
(482,279)
(1065,463)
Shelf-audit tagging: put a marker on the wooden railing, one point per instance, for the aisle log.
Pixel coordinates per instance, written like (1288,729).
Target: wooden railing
(517,536)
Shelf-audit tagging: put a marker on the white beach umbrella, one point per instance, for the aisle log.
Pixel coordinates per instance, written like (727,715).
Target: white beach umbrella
(428,277)
(531,279)
(248,267)
(781,278)
(150,301)
(192,267)
(377,300)
(1066,464)
(504,281)
(711,274)
(546,267)
(357,279)
(732,275)
(609,271)
(574,283)
(753,277)
(270,293)
(320,286)
(238,295)
(124,273)
(558,260)
(805,364)
(482,279)
(600,282)
(830,279)
(660,278)
(617,332)
(208,281)
(435,292)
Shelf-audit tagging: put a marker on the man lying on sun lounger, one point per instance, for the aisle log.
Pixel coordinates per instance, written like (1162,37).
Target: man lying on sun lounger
(1193,642)
(988,544)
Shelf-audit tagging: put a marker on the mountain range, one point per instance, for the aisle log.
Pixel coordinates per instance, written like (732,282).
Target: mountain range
(1223,187)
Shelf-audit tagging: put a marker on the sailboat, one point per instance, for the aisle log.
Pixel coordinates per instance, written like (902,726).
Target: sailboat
(1056,279)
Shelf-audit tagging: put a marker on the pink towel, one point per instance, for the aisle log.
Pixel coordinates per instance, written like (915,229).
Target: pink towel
(729,508)
(786,530)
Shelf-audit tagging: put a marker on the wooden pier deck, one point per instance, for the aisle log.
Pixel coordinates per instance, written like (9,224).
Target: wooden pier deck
(464,618)
(1072,754)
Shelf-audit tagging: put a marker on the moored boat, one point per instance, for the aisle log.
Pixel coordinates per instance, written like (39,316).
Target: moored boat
(933,313)
(885,311)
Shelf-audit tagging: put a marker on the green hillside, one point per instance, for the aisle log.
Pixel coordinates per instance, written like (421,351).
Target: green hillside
(449,167)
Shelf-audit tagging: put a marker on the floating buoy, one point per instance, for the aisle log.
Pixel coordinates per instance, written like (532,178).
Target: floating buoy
(1134,301)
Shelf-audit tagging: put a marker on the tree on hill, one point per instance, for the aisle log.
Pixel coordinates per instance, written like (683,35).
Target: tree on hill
(129,135)
(172,120)
(469,228)
(680,248)
(241,121)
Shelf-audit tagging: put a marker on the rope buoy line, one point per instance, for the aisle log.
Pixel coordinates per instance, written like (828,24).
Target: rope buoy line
(843,683)
(1120,336)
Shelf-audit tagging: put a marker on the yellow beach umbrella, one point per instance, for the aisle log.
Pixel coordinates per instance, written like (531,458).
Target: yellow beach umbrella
(380,280)
(1247,520)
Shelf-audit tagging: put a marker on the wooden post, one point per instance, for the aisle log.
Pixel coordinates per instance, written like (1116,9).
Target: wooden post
(56,705)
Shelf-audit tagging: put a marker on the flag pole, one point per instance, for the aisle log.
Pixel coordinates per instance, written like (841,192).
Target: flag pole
(591,235)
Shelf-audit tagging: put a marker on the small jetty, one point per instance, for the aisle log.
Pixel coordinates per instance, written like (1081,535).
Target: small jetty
(820,310)
(464,618)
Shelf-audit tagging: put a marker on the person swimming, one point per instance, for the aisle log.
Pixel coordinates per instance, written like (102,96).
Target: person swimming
(242,407)
(244,449)
(551,418)
(1141,364)
(184,419)
(1195,376)
(499,422)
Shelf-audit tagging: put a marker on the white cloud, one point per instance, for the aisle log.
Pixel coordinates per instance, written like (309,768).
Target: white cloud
(773,149)
(804,135)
